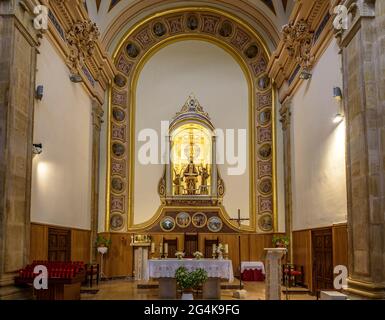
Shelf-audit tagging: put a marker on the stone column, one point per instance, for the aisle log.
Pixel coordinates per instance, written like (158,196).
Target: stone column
(273,273)
(285,113)
(18,44)
(169,182)
(363,47)
(214,174)
(97,120)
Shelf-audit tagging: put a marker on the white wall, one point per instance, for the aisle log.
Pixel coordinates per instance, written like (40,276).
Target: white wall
(164,85)
(318,148)
(61,176)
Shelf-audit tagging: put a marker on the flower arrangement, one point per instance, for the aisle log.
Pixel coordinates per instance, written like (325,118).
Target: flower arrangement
(220,248)
(281,241)
(190,280)
(198,255)
(179,254)
(102,242)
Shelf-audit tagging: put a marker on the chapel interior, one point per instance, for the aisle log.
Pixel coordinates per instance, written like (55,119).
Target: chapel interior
(246,137)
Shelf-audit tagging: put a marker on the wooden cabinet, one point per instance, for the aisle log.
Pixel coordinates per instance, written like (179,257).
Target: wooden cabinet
(59,244)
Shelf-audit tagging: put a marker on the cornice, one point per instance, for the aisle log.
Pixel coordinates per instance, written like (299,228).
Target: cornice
(304,39)
(77,39)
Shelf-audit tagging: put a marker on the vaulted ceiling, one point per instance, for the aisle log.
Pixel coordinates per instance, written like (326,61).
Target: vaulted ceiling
(106,12)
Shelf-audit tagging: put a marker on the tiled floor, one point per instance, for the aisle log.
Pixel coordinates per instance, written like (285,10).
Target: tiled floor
(127,290)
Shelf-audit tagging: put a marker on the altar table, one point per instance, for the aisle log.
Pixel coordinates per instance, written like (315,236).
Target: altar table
(164,270)
(252,271)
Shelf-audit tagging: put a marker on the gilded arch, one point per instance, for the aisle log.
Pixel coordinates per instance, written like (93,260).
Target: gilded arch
(142,41)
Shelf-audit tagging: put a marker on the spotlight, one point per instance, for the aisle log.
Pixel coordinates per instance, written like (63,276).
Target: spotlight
(305,75)
(76,78)
(39,92)
(338,118)
(37,148)
(337,93)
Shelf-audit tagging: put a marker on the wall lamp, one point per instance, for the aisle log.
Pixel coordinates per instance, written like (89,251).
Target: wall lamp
(39,92)
(337,94)
(76,78)
(37,148)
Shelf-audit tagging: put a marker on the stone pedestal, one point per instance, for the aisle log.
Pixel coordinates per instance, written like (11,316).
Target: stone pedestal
(140,262)
(212,289)
(167,288)
(273,272)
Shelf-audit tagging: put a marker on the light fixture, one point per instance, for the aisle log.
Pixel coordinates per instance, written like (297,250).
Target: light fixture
(337,93)
(39,92)
(339,117)
(76,78)
(305,74)
(37,148)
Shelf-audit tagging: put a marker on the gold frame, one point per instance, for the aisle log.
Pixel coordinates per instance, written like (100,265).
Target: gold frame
(195,214)
(252,130)
(208,224)
(176,220)
(167,217)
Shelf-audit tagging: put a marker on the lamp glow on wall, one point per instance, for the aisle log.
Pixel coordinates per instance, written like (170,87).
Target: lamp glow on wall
(337,94)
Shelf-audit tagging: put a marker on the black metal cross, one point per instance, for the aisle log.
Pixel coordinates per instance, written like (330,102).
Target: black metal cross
(239,220)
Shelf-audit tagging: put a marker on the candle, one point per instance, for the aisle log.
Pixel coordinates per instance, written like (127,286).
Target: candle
(214,248)
(152,247)
(161,248)
(226,248)
(166,248)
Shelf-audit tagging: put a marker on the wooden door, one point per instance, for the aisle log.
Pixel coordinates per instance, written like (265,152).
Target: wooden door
(322,241)
(190,245)
(59,244)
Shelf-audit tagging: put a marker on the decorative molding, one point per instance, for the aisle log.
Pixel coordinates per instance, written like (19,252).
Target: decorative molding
(298,39)
(303,42)
(285,113)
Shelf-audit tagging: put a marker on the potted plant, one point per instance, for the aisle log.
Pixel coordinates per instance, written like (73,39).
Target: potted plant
(188,281)
(102,244)
(281,241)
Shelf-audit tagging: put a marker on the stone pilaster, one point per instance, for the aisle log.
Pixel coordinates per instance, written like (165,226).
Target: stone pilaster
(285,113)
(97,120)
(18,41)
(363,47)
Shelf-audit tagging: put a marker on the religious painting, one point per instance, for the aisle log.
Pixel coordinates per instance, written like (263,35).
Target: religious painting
(252,51)
(120,80)
(226,29)
(264,117)
(159,29)
(118,114)
(118,149)
(116,222)
(132,50)
(265,151)
(263,82)
(215,224)
(199,220)
(266,222)
(266,186)
(192,22)
(183,219)
(167,224)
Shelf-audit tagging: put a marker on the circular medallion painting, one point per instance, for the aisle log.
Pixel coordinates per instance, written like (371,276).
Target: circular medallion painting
(117,184)
(266,222)
(263,82)
(252,51)
(117,222)
(183,219)
(167,224)
(264,117)
(215,224)
(199,220)
(159,29)
(132,50)
(118,149)
(118,114)
(265,186)
(265,151)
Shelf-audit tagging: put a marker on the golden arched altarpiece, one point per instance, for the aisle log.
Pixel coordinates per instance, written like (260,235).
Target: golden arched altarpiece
(140,43)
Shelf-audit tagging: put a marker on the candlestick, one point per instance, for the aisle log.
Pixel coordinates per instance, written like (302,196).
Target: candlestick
(226,248)
(166,248)
(160,249)
(152,247)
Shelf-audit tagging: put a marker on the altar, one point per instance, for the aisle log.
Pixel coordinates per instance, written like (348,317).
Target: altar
(164,270)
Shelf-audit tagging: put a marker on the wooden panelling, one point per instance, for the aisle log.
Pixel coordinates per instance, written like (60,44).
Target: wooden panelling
(340,245)
(302,254)
(39,242)
(80,245)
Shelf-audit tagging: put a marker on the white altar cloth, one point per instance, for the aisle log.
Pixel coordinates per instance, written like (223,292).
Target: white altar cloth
(252,265)
(165,268)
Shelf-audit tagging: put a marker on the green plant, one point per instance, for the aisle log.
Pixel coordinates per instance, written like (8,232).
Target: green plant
(102,241)
(281,241)
(190,280)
